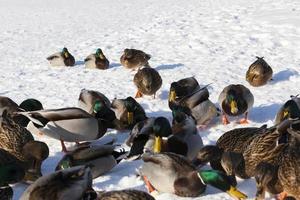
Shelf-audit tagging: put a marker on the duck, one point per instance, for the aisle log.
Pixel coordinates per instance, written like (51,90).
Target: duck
(19,142)
(8,104)
(100,158)
(69,124)
(278,173)
(235,100)
(128,112)
(128,194)
(157,135)
(148,81)
(71,183)
(97,60)
(63,58)
(259,73)
(188,94)
(133,59)
(11,171)
(87,99)
(172,173)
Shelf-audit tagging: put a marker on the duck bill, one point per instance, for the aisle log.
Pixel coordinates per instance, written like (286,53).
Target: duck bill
(157,144)
(66,54)
(233,107)
(172,96)
(285,114)
(130,118)
(235,193)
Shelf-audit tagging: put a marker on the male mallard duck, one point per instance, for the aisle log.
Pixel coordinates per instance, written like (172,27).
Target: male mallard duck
(235,100)
(66,124)
(97,60)
(19,142)
(88,98)
(188,94)
(128,112)
(259,73)
(125,195)
(101,159)
(72,183)
(63,58)
(290,110)
(133,58)
(172,173)
(279,171)
(147,81)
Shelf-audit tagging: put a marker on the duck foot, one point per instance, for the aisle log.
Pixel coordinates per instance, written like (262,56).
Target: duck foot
(225,120)
(138,94)
(63,147)
(244,121)
(281,196)
(148,185)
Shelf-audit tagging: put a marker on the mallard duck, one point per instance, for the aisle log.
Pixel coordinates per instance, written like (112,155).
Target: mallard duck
(97,60)
(19,142)
(172,173)
(147,81)
(128,112)
(259,73)
(101,159)
(27,105)
(63,58)
(235,100)
(66,124)
(88,98)
(133,58)
(125,195)
(72,183)
(8,104)
(188,94)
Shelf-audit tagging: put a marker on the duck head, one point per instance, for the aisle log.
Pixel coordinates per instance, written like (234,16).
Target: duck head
(208,153)
(231,101)
(161,128)
(230,162)
(64,163)
(130,105)
(290,110)
(65,52)
(128,53)
(99,53)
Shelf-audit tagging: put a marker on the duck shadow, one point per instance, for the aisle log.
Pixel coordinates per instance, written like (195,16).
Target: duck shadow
(264,113)
(164,95)
(79,62)
(169,66)
(113,65)
(284,75)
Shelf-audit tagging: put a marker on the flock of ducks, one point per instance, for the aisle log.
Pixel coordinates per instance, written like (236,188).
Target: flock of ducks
(172,152)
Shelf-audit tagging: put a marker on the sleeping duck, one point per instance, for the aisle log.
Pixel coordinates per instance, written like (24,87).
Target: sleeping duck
(133,59)
(173,173)
(147,81)
(235,100)
(97,60)
(72,183)
(19,142)
(128,112)
(66,124)
(100,158)
(187,93)
(63,58)
(259,73)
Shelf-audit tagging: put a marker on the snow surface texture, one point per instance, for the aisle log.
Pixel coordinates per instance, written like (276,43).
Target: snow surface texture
(213,40)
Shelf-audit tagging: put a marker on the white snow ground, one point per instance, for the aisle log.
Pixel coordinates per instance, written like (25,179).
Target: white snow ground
(213,40)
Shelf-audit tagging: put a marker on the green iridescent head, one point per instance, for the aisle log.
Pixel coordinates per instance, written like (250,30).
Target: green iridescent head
(97,106)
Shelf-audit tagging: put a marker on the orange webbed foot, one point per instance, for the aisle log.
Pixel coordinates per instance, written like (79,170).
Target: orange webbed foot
(138,94)
(225,121)
(281,196)
(244,121)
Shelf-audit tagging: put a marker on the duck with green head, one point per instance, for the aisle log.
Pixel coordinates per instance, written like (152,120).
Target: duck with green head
(235,100)
(172,173)
(63,58)
(97,60)
(128,112)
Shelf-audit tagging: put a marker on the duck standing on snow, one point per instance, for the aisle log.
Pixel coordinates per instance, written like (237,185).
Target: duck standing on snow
(66,124)
(147,81)
(97,60)
(188,94)
(133,59)
(63,58)
(235,100)
(19,142)
(172,173)
(259,73)
(72,183)
(128,112)
(100,158)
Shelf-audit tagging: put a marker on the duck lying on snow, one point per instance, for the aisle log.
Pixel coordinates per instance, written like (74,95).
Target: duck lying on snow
(97,60)
(63,58)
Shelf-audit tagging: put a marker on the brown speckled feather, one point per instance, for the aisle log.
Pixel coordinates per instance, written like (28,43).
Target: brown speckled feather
(125,195)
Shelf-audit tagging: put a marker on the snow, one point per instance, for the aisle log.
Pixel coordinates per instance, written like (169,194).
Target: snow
(215,41)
